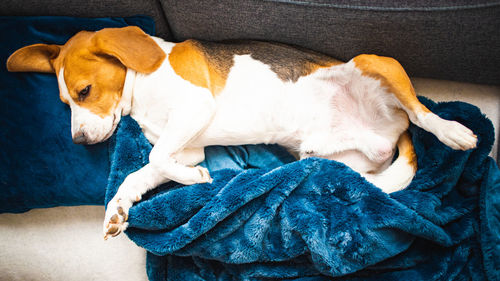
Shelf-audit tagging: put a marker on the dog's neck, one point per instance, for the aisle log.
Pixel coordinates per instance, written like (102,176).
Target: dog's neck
(134,84)
(128,92)
(140,106)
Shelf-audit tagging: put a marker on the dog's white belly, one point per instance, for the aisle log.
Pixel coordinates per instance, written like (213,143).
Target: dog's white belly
(257,107)
(334,105)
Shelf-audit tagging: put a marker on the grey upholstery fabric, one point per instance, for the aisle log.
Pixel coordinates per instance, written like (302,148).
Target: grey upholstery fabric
(445,39)
(400,5)
(89,8)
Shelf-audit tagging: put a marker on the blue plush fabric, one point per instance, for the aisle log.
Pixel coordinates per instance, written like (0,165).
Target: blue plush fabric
(266,216)
(39,164)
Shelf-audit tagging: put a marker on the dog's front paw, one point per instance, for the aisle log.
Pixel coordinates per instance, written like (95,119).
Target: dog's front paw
(115,220)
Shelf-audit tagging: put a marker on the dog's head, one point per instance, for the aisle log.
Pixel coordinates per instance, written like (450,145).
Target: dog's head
(91,69)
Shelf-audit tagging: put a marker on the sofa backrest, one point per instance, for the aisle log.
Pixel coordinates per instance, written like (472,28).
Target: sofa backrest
(446,39)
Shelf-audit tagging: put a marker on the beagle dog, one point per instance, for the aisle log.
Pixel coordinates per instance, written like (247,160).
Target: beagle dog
(193,94)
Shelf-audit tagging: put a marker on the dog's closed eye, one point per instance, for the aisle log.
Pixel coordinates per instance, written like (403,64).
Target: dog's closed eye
(84,93)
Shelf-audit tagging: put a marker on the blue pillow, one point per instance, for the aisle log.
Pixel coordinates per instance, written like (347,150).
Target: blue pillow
(39,164)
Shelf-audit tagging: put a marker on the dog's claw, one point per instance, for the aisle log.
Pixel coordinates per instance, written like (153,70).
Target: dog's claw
(114,230)
(107,235)
(205,175)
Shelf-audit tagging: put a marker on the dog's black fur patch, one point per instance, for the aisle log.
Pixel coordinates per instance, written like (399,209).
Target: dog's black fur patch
(289,63)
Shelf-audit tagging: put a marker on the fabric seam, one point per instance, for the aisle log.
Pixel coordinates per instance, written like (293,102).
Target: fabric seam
(386,9)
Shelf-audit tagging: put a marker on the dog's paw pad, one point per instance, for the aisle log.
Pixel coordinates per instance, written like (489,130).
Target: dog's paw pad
(115,220)
(112,231)
(122,213)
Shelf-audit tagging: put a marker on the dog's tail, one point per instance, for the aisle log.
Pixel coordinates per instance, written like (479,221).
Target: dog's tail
(400,173)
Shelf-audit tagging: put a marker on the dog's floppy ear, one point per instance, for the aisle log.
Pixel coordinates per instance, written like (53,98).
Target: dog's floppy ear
(131,46)
(33,58)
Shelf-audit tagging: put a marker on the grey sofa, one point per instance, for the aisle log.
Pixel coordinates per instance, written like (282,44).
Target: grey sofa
(451,49)
(446,39)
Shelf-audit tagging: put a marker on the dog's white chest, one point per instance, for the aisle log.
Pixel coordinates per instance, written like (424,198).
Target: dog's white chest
(151,116)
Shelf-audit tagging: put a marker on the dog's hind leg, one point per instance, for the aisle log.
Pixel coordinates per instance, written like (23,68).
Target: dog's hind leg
(135,185)
(393,77)
(324,144)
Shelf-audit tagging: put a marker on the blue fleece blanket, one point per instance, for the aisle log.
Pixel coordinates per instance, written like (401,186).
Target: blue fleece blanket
(266,216)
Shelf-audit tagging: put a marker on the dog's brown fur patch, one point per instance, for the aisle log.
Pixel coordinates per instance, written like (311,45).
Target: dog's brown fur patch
(393,77)
(189,61)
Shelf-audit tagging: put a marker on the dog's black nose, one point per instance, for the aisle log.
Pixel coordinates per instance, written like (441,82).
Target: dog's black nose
(79,138)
